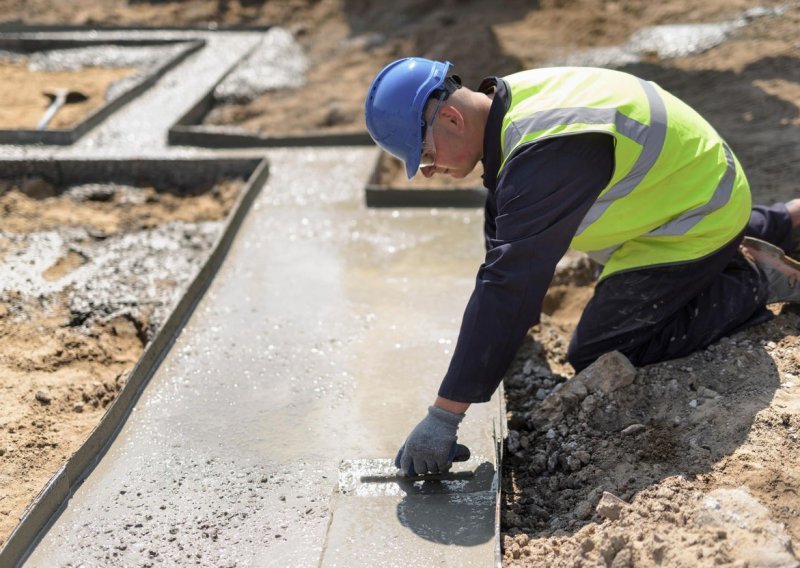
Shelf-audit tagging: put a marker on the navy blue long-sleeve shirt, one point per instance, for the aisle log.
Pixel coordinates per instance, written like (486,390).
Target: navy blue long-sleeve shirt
(532,211)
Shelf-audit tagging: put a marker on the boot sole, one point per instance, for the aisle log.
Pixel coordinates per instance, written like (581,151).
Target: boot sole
(772,256)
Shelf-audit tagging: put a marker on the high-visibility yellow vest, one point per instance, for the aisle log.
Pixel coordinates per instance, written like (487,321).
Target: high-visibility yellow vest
(678,193)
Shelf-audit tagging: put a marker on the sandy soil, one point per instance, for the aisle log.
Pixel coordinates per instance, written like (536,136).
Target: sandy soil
(691,462)
(23,93)
(86,285)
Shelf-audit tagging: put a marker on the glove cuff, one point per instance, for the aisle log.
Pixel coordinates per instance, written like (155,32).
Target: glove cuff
(449,418)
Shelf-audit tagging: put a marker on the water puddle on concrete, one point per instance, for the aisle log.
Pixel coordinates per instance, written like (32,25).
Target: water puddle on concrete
(323,338)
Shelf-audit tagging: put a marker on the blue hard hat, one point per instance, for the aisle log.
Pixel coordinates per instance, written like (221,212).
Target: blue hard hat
(396,102)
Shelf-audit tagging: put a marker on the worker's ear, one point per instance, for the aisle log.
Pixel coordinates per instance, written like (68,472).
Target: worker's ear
(452,116)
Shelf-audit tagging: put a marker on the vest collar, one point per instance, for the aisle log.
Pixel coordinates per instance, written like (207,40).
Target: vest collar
(492,154)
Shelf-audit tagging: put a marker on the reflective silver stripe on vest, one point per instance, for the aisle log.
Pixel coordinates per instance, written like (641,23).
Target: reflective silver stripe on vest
(653,142)
(722,194)
(545,119)
(602,256)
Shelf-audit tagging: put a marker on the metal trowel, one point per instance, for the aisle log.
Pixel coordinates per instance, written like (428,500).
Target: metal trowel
(382,477)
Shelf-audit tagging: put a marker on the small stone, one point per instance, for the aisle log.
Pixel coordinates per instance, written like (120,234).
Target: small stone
(528,368)
(3,451)
(573,463)
(610,506)
(538,463)
(43,397)
(633,429)
(78,407)
(707,392)
(693,403)
(609,373)
(572,392)
(522,540)
(583,510)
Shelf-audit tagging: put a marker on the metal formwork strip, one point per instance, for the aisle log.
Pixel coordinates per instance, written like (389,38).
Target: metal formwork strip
(379,194)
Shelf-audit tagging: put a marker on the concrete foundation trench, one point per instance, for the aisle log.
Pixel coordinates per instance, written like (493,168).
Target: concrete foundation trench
(215,340)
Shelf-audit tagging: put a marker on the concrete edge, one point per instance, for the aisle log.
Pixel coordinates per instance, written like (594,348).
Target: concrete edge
(499,435)
(66,136)
(187,130)
(51,500)
(379,195)
(206,137)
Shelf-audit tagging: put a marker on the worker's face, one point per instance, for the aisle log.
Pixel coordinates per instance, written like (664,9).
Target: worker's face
(442,150)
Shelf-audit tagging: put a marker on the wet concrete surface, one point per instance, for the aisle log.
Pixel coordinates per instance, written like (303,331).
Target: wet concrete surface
(322,338)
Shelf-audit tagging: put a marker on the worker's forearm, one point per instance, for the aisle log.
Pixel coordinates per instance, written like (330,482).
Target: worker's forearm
(451,405)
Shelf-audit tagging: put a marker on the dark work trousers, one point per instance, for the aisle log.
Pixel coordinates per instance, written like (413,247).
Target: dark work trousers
(664,312)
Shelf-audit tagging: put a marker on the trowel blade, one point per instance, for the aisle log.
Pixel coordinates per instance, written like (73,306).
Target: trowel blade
(381,476)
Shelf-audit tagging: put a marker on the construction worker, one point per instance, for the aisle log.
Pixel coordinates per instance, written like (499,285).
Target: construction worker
(603,162)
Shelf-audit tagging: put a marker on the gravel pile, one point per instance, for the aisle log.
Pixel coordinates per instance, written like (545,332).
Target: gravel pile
(618,466)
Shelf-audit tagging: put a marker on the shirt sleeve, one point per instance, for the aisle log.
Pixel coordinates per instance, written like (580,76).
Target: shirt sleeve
(542,195)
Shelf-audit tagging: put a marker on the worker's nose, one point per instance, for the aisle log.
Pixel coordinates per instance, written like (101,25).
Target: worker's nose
(428,171)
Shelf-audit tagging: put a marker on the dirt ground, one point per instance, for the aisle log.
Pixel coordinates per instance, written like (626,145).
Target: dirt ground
(23,93)
(90,273)
(693,462)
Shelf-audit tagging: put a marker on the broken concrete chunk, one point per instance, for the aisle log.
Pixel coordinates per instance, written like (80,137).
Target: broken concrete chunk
(610,372)
(610,506)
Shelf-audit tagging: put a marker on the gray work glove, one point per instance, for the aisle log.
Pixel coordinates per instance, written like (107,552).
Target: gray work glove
(431,447)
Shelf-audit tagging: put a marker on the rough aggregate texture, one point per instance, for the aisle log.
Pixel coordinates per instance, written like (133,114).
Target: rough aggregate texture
(90,273)
(675,464)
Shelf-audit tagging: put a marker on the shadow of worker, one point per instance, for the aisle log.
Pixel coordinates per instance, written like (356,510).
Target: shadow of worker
(458,511)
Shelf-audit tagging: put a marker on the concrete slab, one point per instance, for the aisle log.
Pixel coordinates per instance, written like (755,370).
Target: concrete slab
(322,338)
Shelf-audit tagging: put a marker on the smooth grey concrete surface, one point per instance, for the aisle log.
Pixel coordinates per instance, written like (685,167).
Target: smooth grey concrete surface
(322,338)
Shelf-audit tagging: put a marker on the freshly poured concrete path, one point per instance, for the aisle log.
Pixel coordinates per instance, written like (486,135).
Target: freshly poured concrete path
(322,338)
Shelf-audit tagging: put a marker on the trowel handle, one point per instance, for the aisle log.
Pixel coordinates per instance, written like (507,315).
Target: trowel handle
(458,453)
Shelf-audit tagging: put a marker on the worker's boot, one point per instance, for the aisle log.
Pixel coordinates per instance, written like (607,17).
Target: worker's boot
(782,273)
